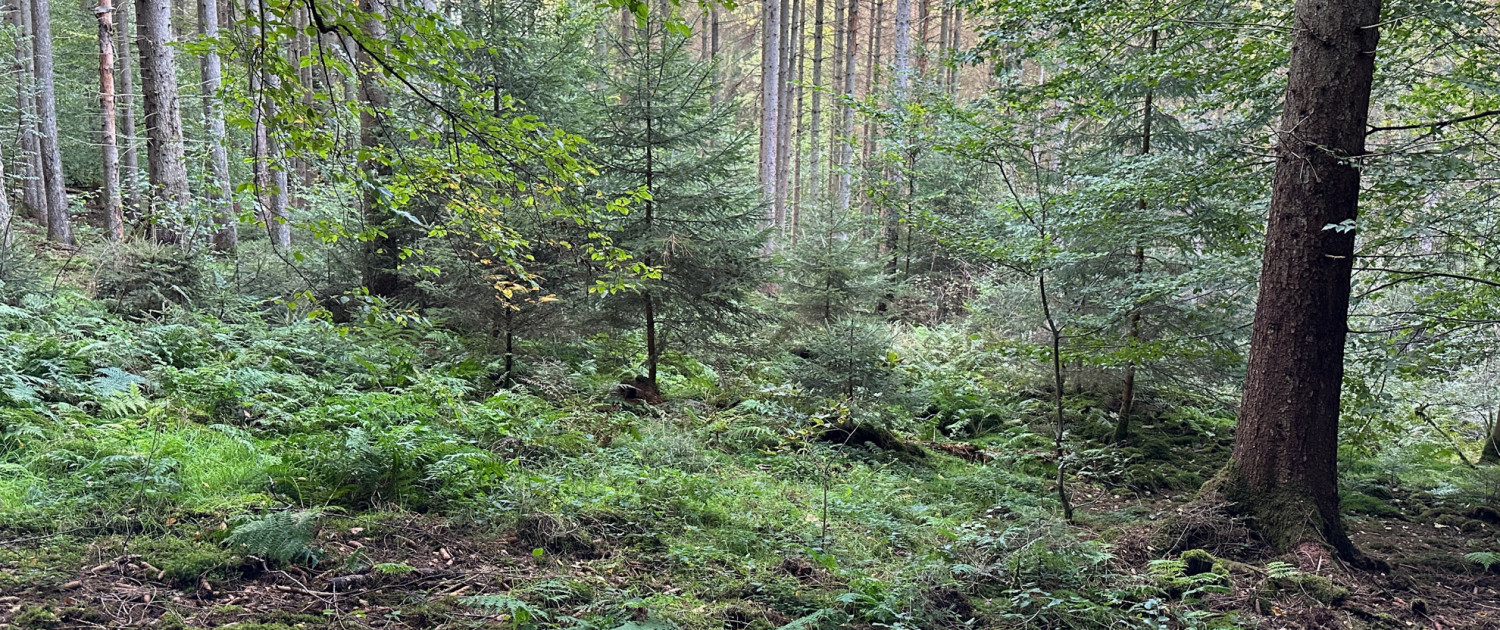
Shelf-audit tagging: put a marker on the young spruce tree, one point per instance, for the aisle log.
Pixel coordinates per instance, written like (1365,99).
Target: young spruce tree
(658,132)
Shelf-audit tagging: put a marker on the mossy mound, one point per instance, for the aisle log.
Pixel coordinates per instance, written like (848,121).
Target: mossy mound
(1311,589)
(185,562)
(1354,502)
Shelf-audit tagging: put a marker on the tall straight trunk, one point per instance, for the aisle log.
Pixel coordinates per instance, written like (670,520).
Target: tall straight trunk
(902,45)
(1283,469)
(302,46)
(815,133)
(834,123)
(220,191)
(130,168)
(846,114)
(166,162)
(791,36)
(800,67)
(59,230)
(1127,394)
(955,42)
(381,257)
(770,97)
(924,10)
(6,212)
(33,197)
(109,149)
(945,31)
(872,83)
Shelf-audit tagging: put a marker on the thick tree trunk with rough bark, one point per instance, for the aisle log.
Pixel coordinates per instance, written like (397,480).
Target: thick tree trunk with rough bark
(220,191)
(166,161)
(59,230)
(109,148)
(1283,470)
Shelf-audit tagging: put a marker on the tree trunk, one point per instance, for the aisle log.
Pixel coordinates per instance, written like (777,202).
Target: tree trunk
(784,109)
(1490,454)
(166,163)
(815,135)
(220,191)
(6,213)
(1283,469)
(59,230)
(770,98)
(33,197)
(834,122)
(109,147)
(381,258)
(130,169)
(903,48)
(846,113)
(1127,394)
(924,10)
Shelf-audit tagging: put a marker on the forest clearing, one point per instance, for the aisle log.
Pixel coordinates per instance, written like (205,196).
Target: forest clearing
(785,315)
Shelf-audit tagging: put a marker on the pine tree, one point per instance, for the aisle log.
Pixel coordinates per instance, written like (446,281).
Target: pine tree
(659,133)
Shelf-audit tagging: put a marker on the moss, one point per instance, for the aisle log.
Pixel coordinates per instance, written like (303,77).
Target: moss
(185,561)
(1285,516)
(1198,562)
(80,613)
(35,618)
(1361,503)
(1310,588)
(172,621)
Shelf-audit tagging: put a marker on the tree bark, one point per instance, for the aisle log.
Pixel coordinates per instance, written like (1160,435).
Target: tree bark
(1283,468)
(784,109)
(770,99)
(109,148)
(1133,339)
(59,230)
(166,161)
(33,197)
(903,48)
(1490,453)
(815,133)
(846,113)
(381,258)
(220,191)
(130,169)
(6,213)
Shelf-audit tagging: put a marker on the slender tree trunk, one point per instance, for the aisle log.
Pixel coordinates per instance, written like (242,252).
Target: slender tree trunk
(1127,395)
(955,42)
(903,48)
(770,97)
(381,258)
(1059,433)
(165,154)
(1283,470)
(815,134)
(924,10)
(800,66)
(6,212)
(220,191)
(846,145)
(130,169)
(834,122)
(784,110)
(33,197)
(59,229)
(109,148)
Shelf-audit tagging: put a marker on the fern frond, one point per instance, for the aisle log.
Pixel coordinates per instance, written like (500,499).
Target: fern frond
(277,537)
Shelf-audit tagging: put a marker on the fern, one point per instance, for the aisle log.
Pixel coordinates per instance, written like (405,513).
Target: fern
(521,613)
(277,537)
(1486,558)
(1280,570)
(113,380)
(826,618)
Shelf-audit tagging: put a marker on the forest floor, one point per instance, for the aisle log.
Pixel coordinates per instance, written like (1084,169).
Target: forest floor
(78,580)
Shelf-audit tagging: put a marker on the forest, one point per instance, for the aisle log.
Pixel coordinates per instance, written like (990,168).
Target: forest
(774,315)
